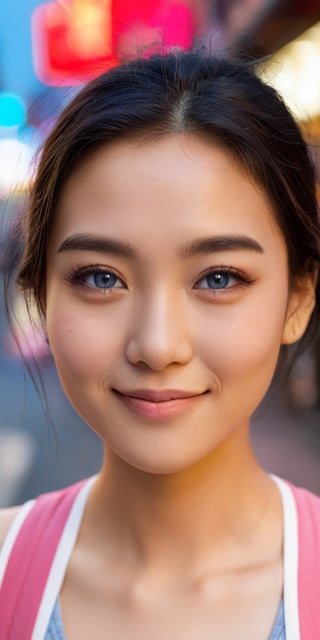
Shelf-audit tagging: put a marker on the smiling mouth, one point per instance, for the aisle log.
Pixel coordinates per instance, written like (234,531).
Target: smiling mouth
(158,405)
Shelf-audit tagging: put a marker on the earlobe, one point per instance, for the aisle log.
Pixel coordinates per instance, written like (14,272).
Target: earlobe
(300,307)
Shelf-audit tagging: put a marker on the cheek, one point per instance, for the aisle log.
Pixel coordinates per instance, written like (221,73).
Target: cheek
(83,346)
(244,342)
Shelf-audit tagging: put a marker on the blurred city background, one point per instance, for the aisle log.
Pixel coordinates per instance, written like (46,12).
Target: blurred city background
(47,51)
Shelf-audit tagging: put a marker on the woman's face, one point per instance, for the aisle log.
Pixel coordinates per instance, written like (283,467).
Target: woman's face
(166,298)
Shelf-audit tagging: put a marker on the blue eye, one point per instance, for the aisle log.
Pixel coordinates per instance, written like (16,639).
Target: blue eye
(95,278)
(103,280)
(217,280)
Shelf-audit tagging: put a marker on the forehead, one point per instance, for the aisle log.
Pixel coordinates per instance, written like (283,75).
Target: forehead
(175,186)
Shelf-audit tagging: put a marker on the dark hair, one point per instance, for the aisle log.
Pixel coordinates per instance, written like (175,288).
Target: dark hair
(211,96)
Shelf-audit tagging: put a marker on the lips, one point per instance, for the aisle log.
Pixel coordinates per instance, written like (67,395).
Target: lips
(158,405)
(159,396)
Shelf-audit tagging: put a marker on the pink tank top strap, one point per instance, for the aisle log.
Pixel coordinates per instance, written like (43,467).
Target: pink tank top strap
(30,561)
(36,544)
(308,513)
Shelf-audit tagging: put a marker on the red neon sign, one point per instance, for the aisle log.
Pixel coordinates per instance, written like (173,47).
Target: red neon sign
(74,40)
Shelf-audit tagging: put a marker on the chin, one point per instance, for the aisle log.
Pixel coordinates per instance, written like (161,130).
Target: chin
(159,465)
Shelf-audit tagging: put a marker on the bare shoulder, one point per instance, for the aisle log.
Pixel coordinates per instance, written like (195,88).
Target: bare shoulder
(6,518)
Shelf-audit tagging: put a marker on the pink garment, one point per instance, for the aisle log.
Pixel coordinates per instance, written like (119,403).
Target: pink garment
(36,553)
(308,510)
(30,562)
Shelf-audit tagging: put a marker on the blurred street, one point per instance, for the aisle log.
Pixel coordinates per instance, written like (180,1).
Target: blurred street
(39,453)
(287,440)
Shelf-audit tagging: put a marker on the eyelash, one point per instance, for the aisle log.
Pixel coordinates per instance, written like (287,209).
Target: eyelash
(77,278)
(243,278)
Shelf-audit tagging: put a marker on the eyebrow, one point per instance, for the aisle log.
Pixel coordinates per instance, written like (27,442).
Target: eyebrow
(221,243)
(84,242)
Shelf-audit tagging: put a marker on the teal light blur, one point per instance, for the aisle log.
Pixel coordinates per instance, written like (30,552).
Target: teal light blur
(12,110)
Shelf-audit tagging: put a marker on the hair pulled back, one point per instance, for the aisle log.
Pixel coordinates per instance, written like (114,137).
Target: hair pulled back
(210,96)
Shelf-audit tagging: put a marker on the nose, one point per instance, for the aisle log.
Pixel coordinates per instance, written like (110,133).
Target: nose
(159,333)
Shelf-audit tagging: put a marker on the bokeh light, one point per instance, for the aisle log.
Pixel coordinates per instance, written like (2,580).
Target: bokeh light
(12,110)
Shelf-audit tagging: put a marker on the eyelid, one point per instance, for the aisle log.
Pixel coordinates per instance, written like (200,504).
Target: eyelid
(240,275)
(77,275)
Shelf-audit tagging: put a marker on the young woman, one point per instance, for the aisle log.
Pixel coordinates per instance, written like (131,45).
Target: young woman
(172,250)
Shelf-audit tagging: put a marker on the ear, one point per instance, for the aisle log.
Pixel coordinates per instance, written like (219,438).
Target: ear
(300,306)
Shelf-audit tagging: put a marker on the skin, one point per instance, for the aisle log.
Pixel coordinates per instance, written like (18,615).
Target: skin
(160,329)
(182,526)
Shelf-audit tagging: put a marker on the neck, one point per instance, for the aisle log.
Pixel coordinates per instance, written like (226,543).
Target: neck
(217,504)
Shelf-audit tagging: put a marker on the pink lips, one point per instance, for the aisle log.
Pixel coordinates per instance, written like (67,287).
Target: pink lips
(158,405)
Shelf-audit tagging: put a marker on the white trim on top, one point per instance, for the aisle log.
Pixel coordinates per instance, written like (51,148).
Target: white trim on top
(290,560)
(12,536)
(70,534)
(60,562)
